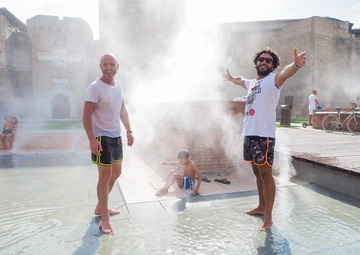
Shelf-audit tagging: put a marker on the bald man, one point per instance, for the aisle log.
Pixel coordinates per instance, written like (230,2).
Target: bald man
(313,103)
(104,108)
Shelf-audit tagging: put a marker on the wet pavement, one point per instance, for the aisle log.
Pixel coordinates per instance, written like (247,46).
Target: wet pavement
(48,198)
(338,149)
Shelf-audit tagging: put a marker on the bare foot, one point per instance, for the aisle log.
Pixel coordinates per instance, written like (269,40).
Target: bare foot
(161,192)
(106,228)
(256,211)
(110,211)
(266,226)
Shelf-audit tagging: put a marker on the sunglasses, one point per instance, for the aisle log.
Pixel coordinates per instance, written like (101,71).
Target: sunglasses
(268,60)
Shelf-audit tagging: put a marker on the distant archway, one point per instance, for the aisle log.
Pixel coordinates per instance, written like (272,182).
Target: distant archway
(60,107)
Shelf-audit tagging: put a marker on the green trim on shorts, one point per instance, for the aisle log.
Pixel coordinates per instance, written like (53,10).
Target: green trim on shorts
(101,164)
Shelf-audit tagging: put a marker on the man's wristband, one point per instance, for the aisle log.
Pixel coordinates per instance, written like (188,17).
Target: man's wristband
(298,67)
(127,132)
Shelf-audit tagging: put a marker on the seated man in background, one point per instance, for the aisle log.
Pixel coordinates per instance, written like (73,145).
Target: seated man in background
(8,134)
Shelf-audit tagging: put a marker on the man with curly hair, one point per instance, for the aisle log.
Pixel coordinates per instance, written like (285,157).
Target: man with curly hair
(263,94)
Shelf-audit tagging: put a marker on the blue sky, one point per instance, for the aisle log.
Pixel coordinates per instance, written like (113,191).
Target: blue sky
(200,12)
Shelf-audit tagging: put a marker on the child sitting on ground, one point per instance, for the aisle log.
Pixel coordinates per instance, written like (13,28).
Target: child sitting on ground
(185,181)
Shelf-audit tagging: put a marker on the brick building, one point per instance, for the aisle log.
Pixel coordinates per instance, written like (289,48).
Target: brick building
(59,56)
(43,66)
(15,64)
(48,62)
(333,56)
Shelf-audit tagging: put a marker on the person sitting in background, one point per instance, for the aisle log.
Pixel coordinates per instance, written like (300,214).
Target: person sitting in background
(185,181)
(14,126)
(357,103)
(9,131)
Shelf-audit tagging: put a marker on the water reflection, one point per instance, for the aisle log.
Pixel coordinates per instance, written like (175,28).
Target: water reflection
(6,162)
(47,210)
(91,239)
(275,244)
(43,160)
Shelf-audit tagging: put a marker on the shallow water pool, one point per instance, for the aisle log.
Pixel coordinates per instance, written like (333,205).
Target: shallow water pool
(48,200)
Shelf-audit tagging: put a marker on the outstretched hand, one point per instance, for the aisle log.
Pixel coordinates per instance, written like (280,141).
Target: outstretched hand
(227,76)
(299,59)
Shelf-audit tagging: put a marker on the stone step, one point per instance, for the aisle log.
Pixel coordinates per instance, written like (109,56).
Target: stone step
(51,140)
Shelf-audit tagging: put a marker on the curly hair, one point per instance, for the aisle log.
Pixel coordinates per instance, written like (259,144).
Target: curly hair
(274,54)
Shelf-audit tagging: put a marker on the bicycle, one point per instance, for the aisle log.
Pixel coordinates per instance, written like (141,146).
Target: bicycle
(333,121)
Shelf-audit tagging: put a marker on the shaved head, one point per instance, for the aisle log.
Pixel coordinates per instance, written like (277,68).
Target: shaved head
(109,67)
(108,55)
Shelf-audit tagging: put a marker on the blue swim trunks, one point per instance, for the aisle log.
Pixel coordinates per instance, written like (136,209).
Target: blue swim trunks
(187,183)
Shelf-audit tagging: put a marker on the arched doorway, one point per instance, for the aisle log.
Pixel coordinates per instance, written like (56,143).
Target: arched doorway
(60,107)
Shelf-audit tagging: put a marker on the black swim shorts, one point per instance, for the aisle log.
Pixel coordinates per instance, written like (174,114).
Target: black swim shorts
(112,151)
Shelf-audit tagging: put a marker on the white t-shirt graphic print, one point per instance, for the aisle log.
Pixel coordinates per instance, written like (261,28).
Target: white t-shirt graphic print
(260,110)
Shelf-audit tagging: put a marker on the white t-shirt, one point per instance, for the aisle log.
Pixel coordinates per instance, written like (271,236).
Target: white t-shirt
(106,115)
(312,104)
(260,110)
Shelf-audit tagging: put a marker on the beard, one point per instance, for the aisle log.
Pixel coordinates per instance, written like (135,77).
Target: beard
(263,73)
(109,76)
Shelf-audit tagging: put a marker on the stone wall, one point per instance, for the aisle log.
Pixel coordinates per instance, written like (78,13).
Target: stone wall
(74,142)
(333,54)
(59,56)
(43,66)
(15,66)
(332,65)
(211,131)
(51,82)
